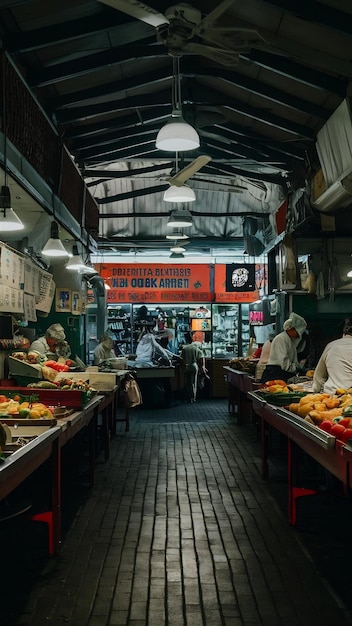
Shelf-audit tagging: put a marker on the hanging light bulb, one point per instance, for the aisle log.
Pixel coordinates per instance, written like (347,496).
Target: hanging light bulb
(9,221)
(177,135)
(53,246)
(179,194)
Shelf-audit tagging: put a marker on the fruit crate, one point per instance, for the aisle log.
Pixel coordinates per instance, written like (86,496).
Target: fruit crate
(22,369)
(71,398)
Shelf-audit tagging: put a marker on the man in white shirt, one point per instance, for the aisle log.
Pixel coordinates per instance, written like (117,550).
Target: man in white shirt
(334,369)
(282,363)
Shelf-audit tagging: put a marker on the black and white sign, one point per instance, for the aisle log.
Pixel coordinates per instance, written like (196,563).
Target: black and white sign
(240,277)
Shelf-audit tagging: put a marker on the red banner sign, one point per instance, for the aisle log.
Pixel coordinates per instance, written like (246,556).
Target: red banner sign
(140,282)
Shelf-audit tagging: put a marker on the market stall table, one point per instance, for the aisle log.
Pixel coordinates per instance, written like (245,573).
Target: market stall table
(163,374)
(324,448)
(86,417)
(22,463)
(240,383)
(108,412)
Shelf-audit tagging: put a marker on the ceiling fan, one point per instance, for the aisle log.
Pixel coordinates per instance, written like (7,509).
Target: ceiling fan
(182,26)
(181,177)
(176,177)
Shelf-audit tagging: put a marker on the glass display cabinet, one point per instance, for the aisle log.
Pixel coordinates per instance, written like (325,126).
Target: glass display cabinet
(230,330)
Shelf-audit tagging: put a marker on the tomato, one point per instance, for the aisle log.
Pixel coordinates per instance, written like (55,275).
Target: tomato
(326,425)
(346,422)
(347,435)
(337,430)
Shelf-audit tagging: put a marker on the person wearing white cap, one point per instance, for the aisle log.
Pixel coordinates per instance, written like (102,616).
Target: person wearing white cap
(283,362)
(334,368)
(52,340)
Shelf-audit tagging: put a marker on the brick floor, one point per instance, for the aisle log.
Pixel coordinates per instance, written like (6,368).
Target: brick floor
(179,530)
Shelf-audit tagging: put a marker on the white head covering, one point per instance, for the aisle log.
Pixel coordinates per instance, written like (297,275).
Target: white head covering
(297,322)
(56,331)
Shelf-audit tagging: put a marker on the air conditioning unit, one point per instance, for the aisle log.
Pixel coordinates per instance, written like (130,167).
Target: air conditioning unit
(337,196)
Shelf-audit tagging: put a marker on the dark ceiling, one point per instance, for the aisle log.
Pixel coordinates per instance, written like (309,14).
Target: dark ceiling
(257,82)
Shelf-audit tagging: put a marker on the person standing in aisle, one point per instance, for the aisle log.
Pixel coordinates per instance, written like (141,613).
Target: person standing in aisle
(193,359)
(282,363)
(334,368)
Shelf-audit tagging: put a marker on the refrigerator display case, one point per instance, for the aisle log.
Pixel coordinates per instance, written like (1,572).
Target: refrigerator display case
(230,330)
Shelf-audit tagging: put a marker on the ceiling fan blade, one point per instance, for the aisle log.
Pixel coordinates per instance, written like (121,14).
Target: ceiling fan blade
(213,15)
(138,9)
(228,186)
(183,175)
(229,58)
(221,138)
(235,39)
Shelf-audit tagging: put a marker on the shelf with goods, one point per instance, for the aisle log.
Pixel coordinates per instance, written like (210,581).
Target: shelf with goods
(178,318)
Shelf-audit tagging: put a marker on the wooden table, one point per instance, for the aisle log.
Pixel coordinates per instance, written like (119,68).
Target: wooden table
(324,448)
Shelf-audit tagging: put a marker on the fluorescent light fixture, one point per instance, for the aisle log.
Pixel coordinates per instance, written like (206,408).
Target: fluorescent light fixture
(177,135)
(177,234)
(53,246)
(179,194)
(180,219)
(9,221)
(177,249)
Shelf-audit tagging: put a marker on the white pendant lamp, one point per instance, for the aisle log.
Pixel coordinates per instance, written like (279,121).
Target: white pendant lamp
(9,221)
(54,247)
(180,219)
(176,234)
(179,194)
(177,135)
(89,270)
(75,263)
(177,255)
(177,249)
